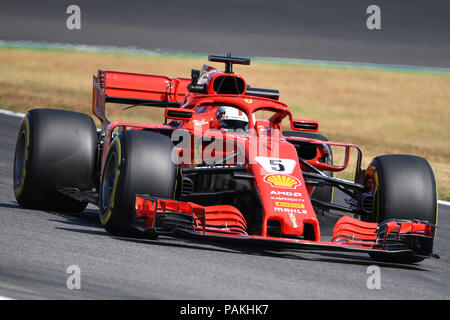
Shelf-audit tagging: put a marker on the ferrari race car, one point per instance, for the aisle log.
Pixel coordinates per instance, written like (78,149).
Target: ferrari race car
(221,167)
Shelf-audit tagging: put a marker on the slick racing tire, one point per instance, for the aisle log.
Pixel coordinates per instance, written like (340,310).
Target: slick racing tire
(406,189)
(54,149)
(325,193)
(138,162)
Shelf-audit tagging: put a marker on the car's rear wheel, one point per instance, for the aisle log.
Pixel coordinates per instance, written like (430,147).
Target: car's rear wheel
(54,149)
(406,189)
(138,162)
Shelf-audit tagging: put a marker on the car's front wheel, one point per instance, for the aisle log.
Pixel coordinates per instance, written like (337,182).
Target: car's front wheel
(138,162)
(405,189)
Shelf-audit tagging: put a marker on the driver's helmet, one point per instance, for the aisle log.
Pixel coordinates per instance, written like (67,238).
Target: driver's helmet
(231,118)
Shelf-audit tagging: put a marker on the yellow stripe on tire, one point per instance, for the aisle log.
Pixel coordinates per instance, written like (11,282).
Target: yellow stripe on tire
(116,179)
(24,173)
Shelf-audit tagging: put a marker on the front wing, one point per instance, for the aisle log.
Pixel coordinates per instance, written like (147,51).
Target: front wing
(157,216)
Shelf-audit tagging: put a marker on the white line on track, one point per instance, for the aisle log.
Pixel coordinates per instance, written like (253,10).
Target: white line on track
(11,113)
(21,44)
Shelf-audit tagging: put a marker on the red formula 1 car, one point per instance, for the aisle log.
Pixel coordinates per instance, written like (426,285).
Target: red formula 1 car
(221,168)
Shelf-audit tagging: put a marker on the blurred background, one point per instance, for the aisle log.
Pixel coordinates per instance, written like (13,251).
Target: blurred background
(413,32)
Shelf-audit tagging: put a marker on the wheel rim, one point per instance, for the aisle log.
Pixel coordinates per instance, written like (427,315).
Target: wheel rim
(19,162)
(109,178)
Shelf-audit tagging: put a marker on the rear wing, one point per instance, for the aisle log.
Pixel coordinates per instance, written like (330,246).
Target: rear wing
(136,89)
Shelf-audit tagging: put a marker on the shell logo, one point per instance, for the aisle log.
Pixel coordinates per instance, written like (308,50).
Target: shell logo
(282,181)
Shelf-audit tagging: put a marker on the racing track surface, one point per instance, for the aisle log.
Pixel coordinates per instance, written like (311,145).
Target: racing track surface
(36,247)
(413,32)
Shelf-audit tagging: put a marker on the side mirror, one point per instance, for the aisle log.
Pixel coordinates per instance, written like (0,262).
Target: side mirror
(304,125)
(178,113)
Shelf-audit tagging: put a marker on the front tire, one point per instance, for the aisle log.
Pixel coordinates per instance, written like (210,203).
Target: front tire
(406,189)
(138,162)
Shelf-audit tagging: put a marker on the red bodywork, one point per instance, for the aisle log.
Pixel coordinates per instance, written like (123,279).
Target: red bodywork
(284,195)
(227,223)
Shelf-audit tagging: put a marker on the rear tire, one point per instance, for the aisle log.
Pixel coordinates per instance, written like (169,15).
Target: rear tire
(138,162)
(406,189)
(54,149)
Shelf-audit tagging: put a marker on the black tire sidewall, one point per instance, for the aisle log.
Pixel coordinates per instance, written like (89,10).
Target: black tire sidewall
(60,152)
(406,188)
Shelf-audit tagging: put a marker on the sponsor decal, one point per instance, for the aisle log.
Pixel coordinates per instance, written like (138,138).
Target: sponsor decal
(248,101)
(285,193)
(200,122)
(290,210)
(290,205)
(282,181)
(286,196)
(276,165)
(287,199)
